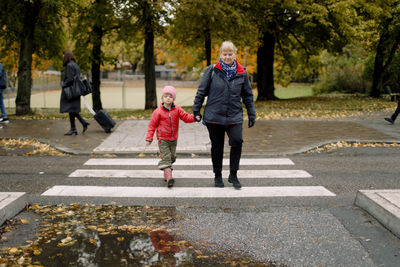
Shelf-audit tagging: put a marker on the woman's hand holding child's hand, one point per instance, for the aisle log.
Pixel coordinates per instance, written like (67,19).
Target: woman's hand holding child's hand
(197,116)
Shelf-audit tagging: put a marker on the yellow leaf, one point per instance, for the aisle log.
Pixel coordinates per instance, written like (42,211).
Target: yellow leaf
(13,251)
(21,260)
(25,221)
(66,240)
(93,242)
(37,252)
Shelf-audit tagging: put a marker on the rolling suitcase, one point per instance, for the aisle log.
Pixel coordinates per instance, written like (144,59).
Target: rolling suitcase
(101,116)
(105,120)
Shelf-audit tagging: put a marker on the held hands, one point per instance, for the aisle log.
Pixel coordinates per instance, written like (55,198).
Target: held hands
(252,122)
(197,116)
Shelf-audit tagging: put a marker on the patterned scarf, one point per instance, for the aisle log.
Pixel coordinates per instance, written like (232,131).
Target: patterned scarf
(229,70)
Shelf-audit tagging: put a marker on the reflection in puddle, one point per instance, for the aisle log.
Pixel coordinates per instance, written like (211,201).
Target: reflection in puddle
(85,235)
(116,249)
(168,248)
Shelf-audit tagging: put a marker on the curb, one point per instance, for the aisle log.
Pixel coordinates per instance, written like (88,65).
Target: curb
(11,203)
(383,205)
(208,152)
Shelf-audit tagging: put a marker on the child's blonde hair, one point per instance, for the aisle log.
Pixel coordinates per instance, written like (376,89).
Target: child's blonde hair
(227,46)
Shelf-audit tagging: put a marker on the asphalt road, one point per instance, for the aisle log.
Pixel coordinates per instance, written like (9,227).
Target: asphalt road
(308,231)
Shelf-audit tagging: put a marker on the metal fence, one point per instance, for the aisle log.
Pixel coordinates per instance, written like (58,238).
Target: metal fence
(119,89)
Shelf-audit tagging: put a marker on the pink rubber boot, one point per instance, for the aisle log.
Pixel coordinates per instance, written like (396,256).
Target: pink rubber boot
(168,177)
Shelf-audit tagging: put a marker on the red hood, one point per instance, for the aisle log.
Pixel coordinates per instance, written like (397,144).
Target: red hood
(239,68)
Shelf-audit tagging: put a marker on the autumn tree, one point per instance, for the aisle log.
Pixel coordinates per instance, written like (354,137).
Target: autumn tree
(150,17)
(35,27)
(124,21)
(93,22)
(198,23)
(381,30)
(287,26)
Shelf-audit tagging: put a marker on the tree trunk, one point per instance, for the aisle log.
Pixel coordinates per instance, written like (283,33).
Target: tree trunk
(266,78)
(27,48)
(96,62)
(149,65)
(387,46)
(378,71)
(207,43)
(260,69)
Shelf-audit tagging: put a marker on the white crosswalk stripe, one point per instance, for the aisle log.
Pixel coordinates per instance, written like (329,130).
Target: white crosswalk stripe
(188,170)
(187,161)
(187,192)
(190,174)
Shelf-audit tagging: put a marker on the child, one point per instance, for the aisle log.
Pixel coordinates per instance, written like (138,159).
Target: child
(166,120)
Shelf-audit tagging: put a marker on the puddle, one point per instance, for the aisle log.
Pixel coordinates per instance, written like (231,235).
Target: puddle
(106,235)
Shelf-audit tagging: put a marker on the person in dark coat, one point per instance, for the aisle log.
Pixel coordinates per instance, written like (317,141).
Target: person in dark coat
(226,84)
(73,106)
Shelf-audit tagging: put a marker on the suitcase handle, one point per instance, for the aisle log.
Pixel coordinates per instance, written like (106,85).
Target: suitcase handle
(88,106)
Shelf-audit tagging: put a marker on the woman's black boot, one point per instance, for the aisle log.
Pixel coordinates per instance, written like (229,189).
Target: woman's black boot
(234,180)
(71,132)
(85,125)
(218,181)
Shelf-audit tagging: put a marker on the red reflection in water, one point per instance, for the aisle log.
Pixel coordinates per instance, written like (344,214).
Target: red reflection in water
(163,242)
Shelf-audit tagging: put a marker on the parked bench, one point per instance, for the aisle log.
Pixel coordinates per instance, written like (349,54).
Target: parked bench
(394,96)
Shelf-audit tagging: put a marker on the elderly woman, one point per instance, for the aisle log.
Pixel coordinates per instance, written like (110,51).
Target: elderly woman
(73,106)
(225,84)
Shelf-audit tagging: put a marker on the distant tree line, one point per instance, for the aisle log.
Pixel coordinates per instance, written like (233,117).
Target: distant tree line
(288,37)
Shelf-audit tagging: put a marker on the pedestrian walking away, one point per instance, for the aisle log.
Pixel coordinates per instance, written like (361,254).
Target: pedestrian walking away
(392,118)
(3,86)
(165,119)
(72,106)
(226,84)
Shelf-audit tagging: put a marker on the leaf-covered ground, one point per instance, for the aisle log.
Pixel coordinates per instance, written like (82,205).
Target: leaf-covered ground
(27,147)
(343,144)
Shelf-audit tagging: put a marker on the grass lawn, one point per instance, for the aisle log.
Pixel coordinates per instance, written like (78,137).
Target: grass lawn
(293,91)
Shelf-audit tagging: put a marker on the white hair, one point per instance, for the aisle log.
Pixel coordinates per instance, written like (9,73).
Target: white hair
(227,45)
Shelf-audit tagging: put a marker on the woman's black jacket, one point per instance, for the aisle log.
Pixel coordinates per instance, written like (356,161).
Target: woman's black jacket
(73,105)
(224,97)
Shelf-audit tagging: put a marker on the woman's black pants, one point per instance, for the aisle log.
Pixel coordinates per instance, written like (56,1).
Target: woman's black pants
(396,112)
(217,137)
(72,116)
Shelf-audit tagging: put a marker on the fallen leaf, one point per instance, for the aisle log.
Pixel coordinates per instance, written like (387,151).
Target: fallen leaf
(13,251)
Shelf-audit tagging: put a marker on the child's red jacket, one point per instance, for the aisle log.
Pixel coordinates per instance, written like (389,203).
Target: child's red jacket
(167,123)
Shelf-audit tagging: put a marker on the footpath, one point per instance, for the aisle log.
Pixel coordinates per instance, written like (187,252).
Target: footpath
(267,138)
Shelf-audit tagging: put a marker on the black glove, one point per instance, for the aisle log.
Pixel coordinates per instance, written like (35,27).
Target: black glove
(252,122)
(195,114)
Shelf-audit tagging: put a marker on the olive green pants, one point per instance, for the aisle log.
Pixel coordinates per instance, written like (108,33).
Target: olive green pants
(167,153)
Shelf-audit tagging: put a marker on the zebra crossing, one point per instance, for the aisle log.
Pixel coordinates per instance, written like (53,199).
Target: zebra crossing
(188,169)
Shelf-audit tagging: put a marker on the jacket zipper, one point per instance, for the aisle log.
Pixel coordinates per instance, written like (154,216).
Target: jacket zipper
(170,121)
(229,98)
